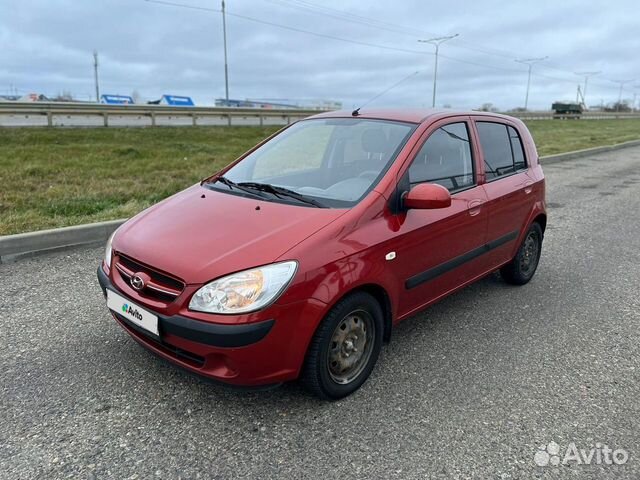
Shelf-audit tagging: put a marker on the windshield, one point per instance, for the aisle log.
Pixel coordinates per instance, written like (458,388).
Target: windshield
(332,162)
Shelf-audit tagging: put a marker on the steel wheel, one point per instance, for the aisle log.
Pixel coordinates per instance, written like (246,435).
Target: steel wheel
(530,251)
(523,266)
(345,347)
(350,346)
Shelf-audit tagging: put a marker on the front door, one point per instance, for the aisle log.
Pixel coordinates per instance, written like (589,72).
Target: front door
(438,250)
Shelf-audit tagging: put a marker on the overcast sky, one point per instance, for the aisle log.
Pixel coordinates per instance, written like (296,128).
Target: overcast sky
(46,47)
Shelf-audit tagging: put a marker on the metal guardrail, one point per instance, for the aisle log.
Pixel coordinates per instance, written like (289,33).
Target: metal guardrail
(61,114)
(571,116)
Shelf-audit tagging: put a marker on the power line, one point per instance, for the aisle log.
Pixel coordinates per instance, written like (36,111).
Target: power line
(382,25)
(286,27)
(333,37)
(345,40)
(396,28)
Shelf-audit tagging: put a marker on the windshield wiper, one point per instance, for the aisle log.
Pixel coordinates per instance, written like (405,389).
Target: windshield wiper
(280,191)
(233,185)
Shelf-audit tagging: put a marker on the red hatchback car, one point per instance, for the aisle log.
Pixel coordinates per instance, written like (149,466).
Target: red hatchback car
(296,260)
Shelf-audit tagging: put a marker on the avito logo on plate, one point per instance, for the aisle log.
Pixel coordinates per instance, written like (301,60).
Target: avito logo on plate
(131,311)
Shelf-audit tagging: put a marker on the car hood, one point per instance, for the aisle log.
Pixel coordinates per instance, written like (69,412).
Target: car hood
(200,234)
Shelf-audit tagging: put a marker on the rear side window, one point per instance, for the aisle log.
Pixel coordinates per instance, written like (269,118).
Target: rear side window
(502,148)
(445,158)
(516,147)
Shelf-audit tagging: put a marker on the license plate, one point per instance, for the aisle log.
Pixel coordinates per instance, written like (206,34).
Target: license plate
(132,312)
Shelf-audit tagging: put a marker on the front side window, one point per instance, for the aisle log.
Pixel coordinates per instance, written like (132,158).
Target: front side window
(445,159)
(333,161)
(502,148)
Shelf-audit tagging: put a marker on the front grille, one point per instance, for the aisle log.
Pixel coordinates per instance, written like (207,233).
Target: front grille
(171,350)
(159,286)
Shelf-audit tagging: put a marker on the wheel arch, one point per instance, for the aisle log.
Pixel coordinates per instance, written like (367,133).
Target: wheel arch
(380,294)
(541,218)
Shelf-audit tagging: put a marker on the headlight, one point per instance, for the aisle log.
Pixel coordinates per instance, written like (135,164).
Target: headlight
(107,251)
(246,291)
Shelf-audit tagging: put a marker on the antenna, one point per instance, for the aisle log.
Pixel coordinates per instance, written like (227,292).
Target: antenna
(356,112)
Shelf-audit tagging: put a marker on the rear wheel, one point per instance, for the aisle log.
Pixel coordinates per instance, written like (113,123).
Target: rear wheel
(523,266)
(345,348)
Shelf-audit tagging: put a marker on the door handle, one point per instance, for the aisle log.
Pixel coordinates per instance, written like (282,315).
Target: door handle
(475,206)
(528,187)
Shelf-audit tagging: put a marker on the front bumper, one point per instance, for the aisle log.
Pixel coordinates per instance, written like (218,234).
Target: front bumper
(259,353)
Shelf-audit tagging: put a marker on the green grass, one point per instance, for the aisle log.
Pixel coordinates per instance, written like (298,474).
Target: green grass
(58,177)
(558,136)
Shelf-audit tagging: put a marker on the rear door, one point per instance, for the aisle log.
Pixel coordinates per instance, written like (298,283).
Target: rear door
(438,250)
(507,185)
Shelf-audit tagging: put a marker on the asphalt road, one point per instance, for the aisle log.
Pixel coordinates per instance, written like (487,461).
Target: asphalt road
(470,388)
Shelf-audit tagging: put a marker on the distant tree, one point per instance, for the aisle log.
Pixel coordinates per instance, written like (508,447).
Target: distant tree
(137,98)
(64,96)
(488,107)
(446,105)
(622,106)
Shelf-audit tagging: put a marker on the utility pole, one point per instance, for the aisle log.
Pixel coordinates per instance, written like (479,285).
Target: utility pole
(635,96)
(586,76)
(436,42)
(621,82)
(95,75)
(530,62)
(226,67)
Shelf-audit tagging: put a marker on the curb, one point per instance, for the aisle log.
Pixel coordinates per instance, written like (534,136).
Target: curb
(23,245)
(561,157)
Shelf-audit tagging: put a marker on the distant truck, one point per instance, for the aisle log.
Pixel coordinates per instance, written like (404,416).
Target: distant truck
(562,109)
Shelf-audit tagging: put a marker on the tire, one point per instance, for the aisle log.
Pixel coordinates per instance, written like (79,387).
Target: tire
(345,347)
(523,266)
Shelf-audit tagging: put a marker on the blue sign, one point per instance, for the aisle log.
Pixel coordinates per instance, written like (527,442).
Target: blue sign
(178,101)
(116,99)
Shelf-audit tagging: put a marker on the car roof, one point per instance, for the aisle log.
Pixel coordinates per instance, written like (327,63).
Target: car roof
(412,115)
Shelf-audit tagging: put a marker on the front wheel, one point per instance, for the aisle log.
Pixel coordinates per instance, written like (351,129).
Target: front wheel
(523,266)
(345,347)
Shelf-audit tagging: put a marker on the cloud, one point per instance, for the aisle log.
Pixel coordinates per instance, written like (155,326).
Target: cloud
(156,49)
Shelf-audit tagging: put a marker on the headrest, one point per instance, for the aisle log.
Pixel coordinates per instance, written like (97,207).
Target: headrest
(374,141)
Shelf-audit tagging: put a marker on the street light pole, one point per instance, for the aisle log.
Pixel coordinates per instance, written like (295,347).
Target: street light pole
(635,96)
(226,67)
(586,79)
(436,42)
(621,82)
(95,75)
(530,62)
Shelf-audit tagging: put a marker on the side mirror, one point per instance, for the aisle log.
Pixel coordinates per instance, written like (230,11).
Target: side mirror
(427,196)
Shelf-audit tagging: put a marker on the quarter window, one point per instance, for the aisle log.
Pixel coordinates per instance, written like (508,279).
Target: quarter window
(516,146)
(445,158)
(502,148)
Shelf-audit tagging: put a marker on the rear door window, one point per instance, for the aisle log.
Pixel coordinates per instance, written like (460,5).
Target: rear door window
(502,148)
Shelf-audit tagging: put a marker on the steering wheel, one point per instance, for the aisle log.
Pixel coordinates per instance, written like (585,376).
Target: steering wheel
(369,174)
